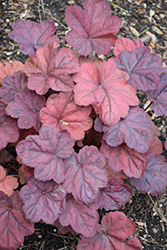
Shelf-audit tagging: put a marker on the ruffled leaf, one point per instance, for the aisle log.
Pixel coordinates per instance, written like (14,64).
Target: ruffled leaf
(45,152)
(106,90)
(32,35)
(42,200)
(62,113)
(92,27)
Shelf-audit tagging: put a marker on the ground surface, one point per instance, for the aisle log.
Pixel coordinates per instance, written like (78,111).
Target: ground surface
(149,213)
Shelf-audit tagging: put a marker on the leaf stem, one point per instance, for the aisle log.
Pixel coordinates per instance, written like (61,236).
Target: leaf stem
(119,7)
(144,31)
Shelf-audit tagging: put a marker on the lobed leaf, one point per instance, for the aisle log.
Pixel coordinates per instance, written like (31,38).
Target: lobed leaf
(9,68)
(32,35)
(123,44)
(143,68)
(159,97)
(26,107)
(106,90)
(84,174)
(14,226)
(92,27)
(111,234)
(134,130)
(154,179)
(45,152)
(62,113)
(123,158)
(13,84)
(81,217)
(7,183)
(51,68)
(42,200)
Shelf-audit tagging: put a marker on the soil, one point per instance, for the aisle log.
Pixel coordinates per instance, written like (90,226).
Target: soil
(149,213)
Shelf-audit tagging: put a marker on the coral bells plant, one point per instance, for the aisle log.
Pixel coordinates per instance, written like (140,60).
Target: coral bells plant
(81,138)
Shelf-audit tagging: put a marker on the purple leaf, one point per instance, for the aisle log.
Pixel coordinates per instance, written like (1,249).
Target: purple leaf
(32,35)
(154,179)
(26,107)
(12,85)
(9,131)
(114,195)
(92,27)
(84,174)
(81,217)
(14,226)
(134,130)
(42,200)
(45,152)
(143,67)
(123,158)
(159,97)
(111,234)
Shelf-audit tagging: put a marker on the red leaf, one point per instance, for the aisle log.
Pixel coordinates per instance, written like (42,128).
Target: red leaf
(92,27)
(84,174)
(111,234)
(62,113)
(114,195)
(8,131)
(136,125)
(45,152)
(12,85)
(123,158)
(9,68)
(123,44)
(42,200)
(7,183)
(154,179)
(155,146)
(159,97)
(81,217)
(143,68)
(32,35)
(51,68)
(26,107)
(14,226)
(106,90)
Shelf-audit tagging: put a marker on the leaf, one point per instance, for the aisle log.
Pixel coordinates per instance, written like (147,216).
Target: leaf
(84,174)
(123,44)
(159,97)
(32,35)
(123,158)
(111,234)
(26,107)
(81,217)
(143,68)
(42,200)
(92,27)
(115,175)
(134,130)
(45,152)
(9,68)
(7,183)
(64,230)
(51,68)
(14,226)
(154,179)
(8,131)
(12,85)
(114,195)
(2,111)
(155,146)
(106,90)
(62,113)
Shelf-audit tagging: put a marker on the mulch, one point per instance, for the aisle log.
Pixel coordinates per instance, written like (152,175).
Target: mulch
(146,19)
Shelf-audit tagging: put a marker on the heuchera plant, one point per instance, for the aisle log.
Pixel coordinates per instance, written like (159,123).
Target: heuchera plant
(79,132)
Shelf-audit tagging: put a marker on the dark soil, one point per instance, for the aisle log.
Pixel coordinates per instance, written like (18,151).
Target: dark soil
(149,213)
